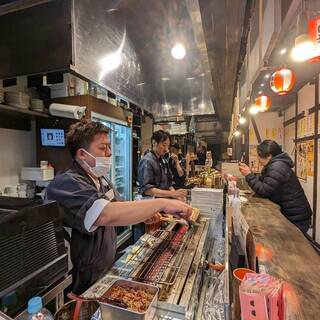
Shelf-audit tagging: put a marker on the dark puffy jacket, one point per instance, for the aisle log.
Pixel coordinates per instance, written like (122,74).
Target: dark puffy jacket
(279,183)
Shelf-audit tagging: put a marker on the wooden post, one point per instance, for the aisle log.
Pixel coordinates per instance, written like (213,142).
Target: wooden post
(295,134)
(315,160)
(256,131)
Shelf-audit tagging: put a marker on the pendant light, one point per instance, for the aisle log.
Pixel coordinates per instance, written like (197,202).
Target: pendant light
(282,81)
(263,103)
(314,34)
(303,46)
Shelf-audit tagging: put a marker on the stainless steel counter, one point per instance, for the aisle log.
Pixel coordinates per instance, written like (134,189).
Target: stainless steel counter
(181,299)
(184,281)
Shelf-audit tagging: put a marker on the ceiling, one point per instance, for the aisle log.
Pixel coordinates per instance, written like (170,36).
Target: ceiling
(201,83)
(223,23)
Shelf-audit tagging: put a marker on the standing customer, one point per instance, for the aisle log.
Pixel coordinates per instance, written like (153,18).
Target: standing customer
(190,161)
(201,155)
(177,165)
(279,183)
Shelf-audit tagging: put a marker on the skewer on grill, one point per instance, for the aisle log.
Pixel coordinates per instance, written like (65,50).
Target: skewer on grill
(172,219)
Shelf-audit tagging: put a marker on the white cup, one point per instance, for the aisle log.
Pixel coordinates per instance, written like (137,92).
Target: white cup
(43,164)
(22,187)
(10,189)
(22,194)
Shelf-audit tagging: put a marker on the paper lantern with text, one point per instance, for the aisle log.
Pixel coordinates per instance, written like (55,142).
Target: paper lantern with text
(314,34)
(282,81)
(263,102)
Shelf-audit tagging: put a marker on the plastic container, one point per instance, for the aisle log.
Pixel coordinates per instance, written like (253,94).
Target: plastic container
(239,273)
(37,174)
(87,310)
(36,310)
(238,276)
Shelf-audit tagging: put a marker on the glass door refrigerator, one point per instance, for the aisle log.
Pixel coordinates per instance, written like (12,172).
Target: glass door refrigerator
(121,173)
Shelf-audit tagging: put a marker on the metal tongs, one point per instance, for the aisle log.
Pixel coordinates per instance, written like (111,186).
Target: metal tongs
(80,300)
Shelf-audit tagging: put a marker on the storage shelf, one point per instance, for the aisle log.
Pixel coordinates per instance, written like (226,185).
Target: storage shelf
(21,113)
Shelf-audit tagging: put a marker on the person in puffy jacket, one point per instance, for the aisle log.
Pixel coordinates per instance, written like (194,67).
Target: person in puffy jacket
(279,183)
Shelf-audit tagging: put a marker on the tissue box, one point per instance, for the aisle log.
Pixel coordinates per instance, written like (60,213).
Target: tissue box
(37,174)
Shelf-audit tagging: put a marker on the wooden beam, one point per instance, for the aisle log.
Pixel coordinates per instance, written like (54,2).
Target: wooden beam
(315,160)
(256,131)
(314,136)
(292,120)
(295,133)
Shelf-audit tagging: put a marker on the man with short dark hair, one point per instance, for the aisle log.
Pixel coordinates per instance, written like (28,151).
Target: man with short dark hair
(154,174)
(92,206)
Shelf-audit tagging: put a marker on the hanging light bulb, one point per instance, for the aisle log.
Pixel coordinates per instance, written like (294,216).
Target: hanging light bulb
(237,133)
(314,34)
(242,120)
(303,46)
(282,81)
(178,51)
(263,102)
(254,109)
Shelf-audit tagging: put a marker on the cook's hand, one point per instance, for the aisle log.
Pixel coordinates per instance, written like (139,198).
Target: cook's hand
(177,208)
(155,219)
(244,169)
(174,157)
(179,194)
(182,199)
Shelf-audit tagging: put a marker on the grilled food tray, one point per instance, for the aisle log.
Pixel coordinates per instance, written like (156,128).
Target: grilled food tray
(115,312)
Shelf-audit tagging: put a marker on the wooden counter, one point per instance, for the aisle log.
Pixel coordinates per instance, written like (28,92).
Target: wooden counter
(284,252)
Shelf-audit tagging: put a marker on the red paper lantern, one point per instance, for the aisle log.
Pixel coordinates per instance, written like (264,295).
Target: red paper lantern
(314,34)
(282,81)
(263,102)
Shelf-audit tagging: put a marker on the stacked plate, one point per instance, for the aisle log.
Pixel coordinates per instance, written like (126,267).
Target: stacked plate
(17,99)
(1,96)
(37,105)
(209,201)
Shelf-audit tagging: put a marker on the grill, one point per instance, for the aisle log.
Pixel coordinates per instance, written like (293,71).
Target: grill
(160,263)
(170,259)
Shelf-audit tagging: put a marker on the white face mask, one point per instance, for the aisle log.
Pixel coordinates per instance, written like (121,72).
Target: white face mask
(102,167)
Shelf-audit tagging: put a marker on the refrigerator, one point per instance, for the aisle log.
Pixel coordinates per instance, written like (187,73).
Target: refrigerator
(121,174)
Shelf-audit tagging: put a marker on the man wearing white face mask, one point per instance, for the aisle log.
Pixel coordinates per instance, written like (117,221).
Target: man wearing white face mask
(92,206)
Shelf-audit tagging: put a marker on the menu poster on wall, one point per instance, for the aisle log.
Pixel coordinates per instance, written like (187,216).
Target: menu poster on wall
(274,134)
(251,135)
(301,161)
(310,124)
(268,133)
(310,158)
(306,126)
(289,131)
(305,160)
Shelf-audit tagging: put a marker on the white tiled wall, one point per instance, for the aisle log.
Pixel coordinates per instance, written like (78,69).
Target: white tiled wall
(17,149)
